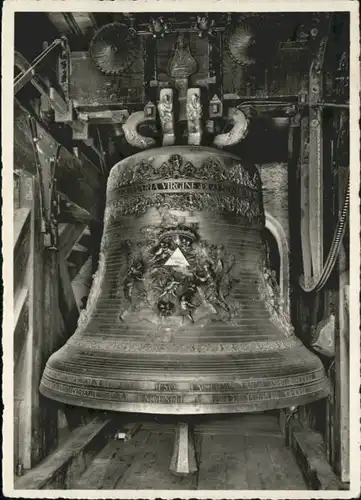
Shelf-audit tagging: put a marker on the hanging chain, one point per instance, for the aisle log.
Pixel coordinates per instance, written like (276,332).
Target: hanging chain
(335,246)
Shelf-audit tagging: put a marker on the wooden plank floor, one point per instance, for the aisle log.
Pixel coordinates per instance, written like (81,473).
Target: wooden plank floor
(237,452)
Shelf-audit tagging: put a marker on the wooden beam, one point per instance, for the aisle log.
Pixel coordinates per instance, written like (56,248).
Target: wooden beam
(78,179)
(21,322)
(82,282)
(54,337)
(16,191)
(59,21)
(79,22)
(104,117)
(72,213)
(183,461)
(28,74)
(305,201)
(309,450)
(21,221)
(69,307)
(69,461)
(342,389)
(26,379)
(80,248)
(21,255)
(69,235)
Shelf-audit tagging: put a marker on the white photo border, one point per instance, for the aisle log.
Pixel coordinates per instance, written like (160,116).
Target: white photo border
(9,9)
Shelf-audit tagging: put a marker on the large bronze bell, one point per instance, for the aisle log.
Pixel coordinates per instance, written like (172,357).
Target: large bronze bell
(180,318)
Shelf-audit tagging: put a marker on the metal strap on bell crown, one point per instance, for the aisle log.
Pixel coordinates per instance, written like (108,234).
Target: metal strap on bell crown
(182,317)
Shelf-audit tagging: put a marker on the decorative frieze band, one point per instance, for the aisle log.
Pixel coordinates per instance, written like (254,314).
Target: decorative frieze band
(178,167)
(193,201)
(171,347)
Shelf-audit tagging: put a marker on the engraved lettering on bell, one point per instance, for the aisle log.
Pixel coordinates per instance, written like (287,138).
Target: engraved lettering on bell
(184,316)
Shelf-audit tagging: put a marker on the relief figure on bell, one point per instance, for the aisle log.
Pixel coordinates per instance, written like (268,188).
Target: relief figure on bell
(170,289)
(161,252)
(135,273)
(186,308)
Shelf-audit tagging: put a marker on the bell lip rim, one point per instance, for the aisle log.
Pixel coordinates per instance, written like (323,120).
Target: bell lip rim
(188,409)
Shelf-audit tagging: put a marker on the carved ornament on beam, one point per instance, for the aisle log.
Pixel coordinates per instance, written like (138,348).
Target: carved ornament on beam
(165,109)
(150,110)
(194,115)
(158,27)
(132,136)
(237,133)
(204,25)
(215,107)
(182,64)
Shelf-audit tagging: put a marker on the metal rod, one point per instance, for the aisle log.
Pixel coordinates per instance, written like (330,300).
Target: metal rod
(19,59)
(177,30)
(333,105)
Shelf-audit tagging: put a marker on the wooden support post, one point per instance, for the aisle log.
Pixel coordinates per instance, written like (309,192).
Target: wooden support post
(285,417)
(26,396)
(342,347)
(36,429)
(342,378)
(294,208)
(183,460)
(305,201)
(52,341)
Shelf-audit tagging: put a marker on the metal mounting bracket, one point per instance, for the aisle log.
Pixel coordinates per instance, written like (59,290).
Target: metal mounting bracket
(315,162)
(46,159)
(61,104)
(63,69)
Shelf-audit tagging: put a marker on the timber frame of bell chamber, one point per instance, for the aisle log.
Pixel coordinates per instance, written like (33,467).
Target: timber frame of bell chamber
(54,259)
(59,191)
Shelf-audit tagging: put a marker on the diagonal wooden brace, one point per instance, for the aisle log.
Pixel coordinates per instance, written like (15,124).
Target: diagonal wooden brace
(29,75)
(46,158)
